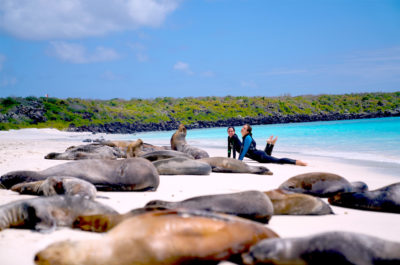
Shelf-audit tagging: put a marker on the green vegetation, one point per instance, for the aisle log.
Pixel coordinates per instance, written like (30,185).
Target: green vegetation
(42,112)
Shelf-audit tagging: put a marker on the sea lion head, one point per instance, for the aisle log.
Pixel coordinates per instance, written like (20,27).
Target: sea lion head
(350,199)
(182,129)
(134,149)
(64,252)
(263,170)
(359,186)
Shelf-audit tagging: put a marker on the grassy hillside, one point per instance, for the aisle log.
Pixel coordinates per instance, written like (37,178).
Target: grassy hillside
(16,112)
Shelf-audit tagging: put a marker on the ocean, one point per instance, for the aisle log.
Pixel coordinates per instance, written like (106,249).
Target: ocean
(368,140)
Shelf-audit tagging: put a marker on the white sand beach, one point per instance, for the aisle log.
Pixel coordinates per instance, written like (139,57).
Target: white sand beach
(25,150)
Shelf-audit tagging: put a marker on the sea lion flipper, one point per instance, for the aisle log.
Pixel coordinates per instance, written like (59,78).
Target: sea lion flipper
(222,170)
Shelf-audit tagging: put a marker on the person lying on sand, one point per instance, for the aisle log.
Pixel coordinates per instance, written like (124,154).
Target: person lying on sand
(249,150)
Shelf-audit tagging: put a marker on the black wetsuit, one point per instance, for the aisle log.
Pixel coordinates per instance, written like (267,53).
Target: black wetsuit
(249,150)
(234,144)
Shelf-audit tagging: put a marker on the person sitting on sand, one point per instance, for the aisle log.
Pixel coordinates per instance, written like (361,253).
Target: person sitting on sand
(233,142)
(249,150)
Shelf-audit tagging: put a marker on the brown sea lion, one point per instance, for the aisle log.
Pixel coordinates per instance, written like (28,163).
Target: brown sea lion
(45,213)
(321,184)
(297,204)
(182,166)
(253,205)
(385,199)
(231,165)
(326,248)
(178,143)
(165,237)
(122,175)
(57,185)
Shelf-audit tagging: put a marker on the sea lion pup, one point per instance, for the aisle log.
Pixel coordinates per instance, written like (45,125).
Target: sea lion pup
(297,204)
(325,248)
(182,166)
(88,151)
(57,185)
(253,205)
(178,143)
(385,199)
(231,165)
(45,213)
(163,154)
(162,237)
(131,174)
(135,148)
(321,184)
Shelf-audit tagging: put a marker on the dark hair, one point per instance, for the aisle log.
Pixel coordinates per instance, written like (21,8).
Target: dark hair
(233,128)
(249,129)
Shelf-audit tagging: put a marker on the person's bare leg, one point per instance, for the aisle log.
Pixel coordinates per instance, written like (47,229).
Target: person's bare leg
(274,140)
(301,163)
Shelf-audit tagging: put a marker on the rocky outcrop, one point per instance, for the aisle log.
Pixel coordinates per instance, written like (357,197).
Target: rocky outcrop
(124,128)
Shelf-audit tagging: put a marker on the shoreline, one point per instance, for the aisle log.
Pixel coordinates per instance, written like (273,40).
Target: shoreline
(19,246)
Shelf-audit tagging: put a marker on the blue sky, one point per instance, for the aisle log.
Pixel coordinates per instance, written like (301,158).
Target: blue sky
(103,49)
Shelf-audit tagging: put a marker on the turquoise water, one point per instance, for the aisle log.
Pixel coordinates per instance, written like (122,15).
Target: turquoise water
(366,139)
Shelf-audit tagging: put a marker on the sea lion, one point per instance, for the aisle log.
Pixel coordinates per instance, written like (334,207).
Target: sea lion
(45,213)
(326,248)
(123,175)
(253,205)
(182,166)
(88,151)
(178,143)
(136,148)
(231,165)
(57,185)
(163,237)
(321,184)
(163,154)
(385,199)
(297,204)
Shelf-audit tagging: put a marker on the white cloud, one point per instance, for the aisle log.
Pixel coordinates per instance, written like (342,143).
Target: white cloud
(75,53)
(184,67)
(66,19)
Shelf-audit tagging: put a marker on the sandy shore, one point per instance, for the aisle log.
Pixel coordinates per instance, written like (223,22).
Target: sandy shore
(25,149)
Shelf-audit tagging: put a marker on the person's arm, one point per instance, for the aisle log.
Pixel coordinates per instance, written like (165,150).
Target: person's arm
(246,145)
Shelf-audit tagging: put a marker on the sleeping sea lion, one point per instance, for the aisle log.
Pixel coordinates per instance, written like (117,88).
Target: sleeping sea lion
(57,185)
(326,248)
(45,213)
(182,166)
(297,204)
(253,205)
(88,151)
(321,184)
(178,143)
(122,175)
(386,199)
(163,154)
(231,165)
(163,237)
